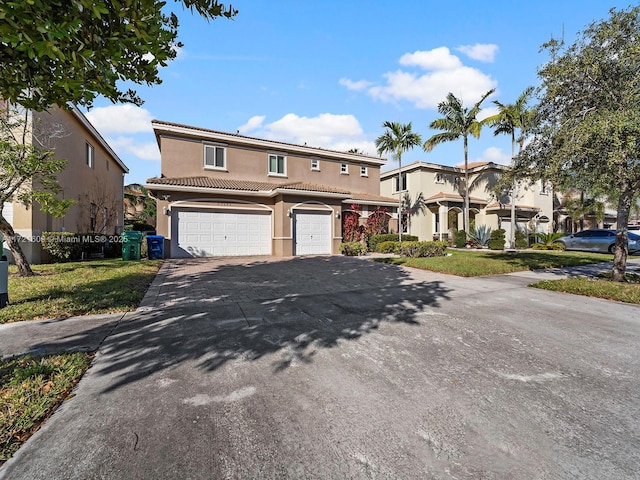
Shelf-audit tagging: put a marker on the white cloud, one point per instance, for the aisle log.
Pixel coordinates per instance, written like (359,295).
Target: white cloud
(428,90)
(495,155)
(437,59)
(124,119)
(357,85)
(335,132)
(252,124)
(483,52)
(445,73)
(487,112)
(131,146)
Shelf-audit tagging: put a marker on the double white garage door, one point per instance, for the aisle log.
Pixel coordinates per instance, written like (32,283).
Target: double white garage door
(206,233)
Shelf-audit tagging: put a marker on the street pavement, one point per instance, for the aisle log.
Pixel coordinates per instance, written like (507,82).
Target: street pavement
(335,367)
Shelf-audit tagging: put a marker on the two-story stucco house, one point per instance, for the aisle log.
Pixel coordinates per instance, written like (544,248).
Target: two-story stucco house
(442,189)
(94,178)
(223,194)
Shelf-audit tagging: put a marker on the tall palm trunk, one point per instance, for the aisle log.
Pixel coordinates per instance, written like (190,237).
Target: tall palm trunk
(512,236)
(466,186)
(399,196)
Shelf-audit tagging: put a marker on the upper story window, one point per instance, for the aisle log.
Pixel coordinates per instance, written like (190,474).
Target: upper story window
(315,165)
(107,165)
(364,172)
(456,182)
(344,168)
(403,186)
(439,178)
(215,157)
(90,155)
(277,165)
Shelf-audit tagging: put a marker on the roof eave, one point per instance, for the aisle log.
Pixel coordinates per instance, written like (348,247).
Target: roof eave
(186,189)
(160,126)
(89,126)
(309,193)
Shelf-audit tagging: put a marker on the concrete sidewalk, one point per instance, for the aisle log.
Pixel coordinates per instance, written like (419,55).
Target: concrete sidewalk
(41,337)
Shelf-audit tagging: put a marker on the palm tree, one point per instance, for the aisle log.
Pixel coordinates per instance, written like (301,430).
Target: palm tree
(510,118)
(411,208)
(458,122)
(396,139)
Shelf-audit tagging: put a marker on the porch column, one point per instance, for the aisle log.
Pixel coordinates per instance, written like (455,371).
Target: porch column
(443,213)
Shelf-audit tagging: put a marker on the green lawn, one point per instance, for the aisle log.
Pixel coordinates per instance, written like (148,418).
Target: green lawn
(78,288)
(600,288)
(473,263)
(30,390)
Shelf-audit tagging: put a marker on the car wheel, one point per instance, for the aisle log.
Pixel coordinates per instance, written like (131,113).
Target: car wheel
(612,249)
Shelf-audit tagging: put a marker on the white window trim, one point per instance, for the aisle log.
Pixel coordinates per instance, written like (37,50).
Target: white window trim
(317,167)
(364,172)
(276,174)
(90,154)
(224,157)
(397,184)
(344,169)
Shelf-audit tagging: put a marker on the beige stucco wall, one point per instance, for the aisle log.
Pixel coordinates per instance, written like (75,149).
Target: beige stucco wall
(102,185)
(184,157)
(422,178)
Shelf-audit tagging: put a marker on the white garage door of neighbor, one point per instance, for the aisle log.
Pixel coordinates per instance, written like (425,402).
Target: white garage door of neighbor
(212,234)
(312,233)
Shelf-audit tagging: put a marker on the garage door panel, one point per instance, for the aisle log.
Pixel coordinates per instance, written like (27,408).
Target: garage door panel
(211,233)
(312,233)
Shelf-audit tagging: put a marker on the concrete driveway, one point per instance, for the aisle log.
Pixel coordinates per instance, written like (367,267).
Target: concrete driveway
(334,367)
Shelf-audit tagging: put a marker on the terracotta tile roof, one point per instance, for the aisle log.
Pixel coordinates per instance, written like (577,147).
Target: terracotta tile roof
(208,182)
(454,196)
(369,197)
(311,187)
(506,206)
(245,185)
(208,130)
(471,165)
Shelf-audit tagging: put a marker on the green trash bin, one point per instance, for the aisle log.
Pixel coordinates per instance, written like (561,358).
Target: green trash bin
(131,244)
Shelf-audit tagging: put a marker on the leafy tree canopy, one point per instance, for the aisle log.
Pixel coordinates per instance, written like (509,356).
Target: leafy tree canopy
(57,51)
(28,172)
(587,126)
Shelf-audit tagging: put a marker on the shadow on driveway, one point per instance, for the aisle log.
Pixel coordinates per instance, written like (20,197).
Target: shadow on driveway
(213,311)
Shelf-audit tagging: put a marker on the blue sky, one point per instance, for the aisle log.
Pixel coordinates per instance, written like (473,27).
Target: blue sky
(329,73)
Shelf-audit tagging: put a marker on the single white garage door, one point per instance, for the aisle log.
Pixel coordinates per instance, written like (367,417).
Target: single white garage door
(312,233)
(203,233)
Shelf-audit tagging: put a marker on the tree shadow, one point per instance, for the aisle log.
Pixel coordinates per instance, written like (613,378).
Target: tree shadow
(212,313)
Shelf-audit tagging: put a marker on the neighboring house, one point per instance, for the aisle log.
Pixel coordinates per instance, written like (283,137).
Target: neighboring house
(94,178)
(442,189)
(574,211)
(139,206)
(223,194)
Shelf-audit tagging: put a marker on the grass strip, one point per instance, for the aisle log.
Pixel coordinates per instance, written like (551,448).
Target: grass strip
(31,388)
(599,288)
(473,263)
(78,288)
